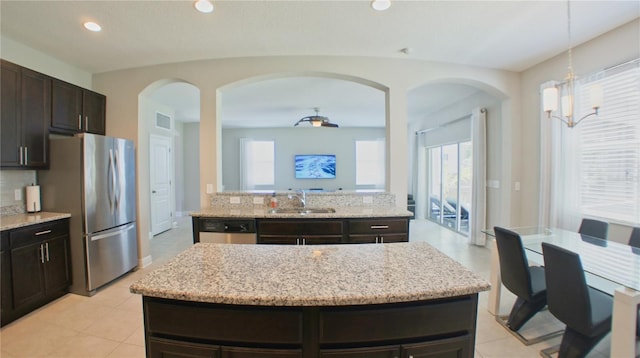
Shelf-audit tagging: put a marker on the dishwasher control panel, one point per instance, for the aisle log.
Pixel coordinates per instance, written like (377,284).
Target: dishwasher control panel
(228,225)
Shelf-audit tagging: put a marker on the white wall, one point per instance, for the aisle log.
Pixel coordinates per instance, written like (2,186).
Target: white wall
(291,141)
(615,47)
(191,167)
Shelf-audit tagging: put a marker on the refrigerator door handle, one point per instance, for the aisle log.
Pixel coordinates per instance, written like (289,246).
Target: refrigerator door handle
(111,187)
(116,183)
(112,234)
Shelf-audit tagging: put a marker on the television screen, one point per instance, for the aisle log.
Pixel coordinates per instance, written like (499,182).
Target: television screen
(315,166)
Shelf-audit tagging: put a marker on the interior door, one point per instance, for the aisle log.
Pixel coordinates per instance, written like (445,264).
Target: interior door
(160,177)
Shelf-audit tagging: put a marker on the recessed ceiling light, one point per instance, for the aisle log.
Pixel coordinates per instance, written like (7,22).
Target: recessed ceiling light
(204,6)
(92,26)
(380,5)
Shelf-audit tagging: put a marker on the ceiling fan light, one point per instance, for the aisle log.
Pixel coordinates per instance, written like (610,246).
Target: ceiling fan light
(380,5)
(204,6)
(316,122)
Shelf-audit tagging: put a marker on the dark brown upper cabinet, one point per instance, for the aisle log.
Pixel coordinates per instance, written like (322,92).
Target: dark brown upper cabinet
(76,109)
(25,109)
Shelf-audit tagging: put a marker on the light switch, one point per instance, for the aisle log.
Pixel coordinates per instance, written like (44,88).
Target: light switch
(516,186)
(209,188)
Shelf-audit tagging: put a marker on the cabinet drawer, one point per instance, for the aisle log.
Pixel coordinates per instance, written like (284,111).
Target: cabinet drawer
(357,226)
(410,321)
(300,227)
(238,352)
(377,239)
(162,348)
(36,233)
(242,324)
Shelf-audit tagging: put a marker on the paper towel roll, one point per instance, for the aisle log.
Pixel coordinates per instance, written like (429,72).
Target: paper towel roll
(33,198)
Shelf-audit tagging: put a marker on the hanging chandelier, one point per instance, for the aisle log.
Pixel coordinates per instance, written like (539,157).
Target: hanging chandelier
(566,90)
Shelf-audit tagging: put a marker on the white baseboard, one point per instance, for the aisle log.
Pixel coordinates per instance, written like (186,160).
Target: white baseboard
(145,261)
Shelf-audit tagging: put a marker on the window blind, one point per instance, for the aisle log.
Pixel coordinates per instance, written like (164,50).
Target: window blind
(609,147)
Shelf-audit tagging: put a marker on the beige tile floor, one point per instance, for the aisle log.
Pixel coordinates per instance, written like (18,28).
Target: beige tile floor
(109,324)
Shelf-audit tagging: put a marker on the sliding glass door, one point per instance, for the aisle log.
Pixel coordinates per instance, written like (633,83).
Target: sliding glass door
(450,174)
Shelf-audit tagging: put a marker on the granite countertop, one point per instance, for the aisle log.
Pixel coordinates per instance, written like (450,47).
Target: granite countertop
(326,275)
(341,212)
(19,220)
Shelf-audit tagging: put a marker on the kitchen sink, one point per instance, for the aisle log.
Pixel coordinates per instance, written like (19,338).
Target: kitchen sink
(302,211)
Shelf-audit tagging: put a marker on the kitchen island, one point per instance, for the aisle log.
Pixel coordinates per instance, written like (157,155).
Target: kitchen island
(400,300)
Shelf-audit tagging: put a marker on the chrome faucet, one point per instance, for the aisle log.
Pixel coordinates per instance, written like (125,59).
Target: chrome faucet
(300,195)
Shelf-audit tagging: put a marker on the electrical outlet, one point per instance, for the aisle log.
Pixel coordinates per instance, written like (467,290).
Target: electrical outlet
(258,200)
(17,194)
(367,199)
(234,200)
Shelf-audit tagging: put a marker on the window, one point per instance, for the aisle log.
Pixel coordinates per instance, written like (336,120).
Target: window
(450,176)
(606,149)
(370,163)
(258,164)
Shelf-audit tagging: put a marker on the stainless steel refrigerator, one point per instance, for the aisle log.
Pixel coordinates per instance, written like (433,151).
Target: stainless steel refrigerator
(93,178)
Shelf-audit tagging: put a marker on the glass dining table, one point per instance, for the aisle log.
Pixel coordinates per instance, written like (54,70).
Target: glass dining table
(609,266)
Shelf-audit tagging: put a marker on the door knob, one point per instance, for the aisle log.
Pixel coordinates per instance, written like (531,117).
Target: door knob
(153,191)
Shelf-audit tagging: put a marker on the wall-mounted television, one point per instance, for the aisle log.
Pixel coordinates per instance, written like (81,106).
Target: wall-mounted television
(315,166)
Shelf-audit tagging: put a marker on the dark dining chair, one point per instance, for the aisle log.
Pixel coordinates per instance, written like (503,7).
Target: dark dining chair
(585,311)
(595,228)
(634,239)
(524,281)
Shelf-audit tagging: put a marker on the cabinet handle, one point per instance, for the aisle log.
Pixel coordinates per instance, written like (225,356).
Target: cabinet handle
(79,121)
(304,241)
(26,156)
(47,250)
(43,232)
(379,227)
(21,156)
(382,239)
(41,254)
(86,122)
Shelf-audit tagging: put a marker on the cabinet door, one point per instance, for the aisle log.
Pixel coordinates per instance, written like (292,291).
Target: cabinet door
(165,348)
(363,239)
(237,352)
(94,112)
(458,347)
(28,278)
(6,298)
(10,140)
(56,272)
(321,239)
(35,112)
(279,240)
(66,114)
(368,352)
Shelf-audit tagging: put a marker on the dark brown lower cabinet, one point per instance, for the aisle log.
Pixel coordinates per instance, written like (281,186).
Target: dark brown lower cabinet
(36,267)
(440,328)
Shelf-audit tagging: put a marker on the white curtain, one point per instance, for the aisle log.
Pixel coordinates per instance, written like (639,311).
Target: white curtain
(477,218)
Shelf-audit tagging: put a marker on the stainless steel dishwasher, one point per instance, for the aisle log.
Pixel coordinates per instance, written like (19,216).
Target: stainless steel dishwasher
(228,231)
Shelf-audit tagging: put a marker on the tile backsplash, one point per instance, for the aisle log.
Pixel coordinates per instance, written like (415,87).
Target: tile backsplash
(10,180)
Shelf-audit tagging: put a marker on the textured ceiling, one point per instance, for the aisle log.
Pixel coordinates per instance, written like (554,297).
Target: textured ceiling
(507,35)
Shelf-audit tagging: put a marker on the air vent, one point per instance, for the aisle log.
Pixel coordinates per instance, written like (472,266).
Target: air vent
(163,121)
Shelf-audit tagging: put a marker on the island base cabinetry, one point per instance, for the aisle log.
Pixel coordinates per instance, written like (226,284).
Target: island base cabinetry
(432,328)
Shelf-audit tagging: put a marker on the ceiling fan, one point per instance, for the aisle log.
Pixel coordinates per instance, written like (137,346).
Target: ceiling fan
(316,120)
